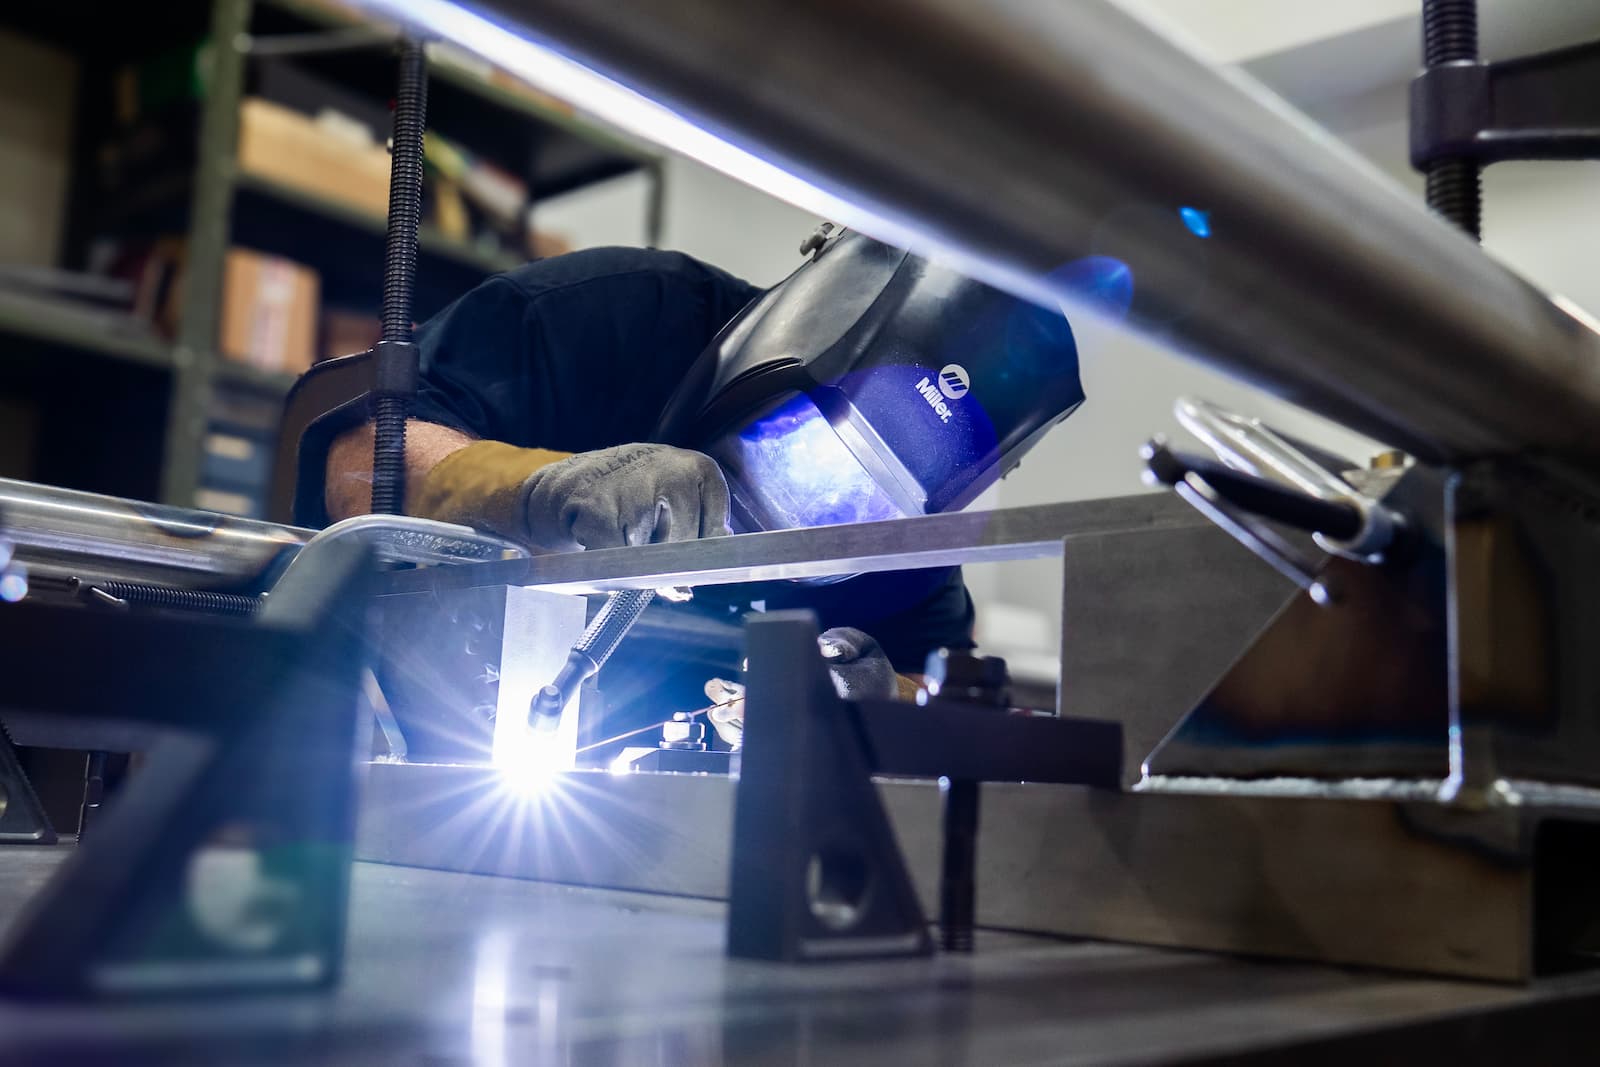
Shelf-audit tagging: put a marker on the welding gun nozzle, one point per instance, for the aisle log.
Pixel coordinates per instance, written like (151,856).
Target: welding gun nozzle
(545,713)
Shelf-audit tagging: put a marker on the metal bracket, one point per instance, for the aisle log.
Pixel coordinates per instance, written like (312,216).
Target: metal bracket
(1460,665)
(1352,687)
(1544,106)
(407,539)
(817,872)
(224,862)
(22,817)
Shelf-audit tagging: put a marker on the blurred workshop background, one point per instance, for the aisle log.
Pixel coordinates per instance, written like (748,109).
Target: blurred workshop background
(179,239)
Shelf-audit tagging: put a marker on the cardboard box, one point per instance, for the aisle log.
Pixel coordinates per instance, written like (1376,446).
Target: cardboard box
(229,502)
(282,145)
(345,333)
(269,311)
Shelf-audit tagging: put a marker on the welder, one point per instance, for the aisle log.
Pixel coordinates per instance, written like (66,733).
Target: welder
(539,415)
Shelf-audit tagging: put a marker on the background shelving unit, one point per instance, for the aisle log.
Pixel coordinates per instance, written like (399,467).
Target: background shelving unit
(121,408)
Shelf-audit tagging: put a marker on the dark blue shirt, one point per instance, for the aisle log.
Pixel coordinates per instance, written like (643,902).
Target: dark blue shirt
(583,351)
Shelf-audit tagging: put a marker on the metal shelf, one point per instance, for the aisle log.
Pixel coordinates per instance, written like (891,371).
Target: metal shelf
(84,331)
(229,372)
(444,71)
(430,242)
(216,206)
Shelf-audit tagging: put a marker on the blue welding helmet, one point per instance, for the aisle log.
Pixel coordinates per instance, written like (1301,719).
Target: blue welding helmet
(871,384)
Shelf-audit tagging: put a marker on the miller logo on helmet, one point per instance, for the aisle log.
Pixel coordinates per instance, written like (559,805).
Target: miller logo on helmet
(953,384)
(954,381)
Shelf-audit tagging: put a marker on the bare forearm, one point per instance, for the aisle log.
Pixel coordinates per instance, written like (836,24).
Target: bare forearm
(349,483)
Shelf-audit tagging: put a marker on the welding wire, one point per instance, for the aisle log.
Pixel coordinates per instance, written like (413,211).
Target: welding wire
(652,726)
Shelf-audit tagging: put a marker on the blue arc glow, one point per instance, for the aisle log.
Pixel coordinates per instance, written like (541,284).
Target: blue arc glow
(806,475)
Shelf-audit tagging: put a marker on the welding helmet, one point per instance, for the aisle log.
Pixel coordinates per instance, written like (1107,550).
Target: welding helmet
(872,384)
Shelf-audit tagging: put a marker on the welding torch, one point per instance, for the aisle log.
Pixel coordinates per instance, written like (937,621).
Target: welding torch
(610,625)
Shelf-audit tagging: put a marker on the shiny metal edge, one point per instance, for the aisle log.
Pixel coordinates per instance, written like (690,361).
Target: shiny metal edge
(1397,789)
(1510,793)
(1520,792)
(897,544)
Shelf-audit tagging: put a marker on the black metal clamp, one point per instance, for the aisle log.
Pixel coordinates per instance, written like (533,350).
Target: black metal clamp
(1233,500)
(1466,113)
(1263,475)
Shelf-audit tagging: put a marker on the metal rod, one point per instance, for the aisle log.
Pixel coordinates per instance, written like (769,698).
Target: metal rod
(89,536)
(958,868)
(899,544)
(1018,138)
(63,533)
(395,357)
(94,790)
(614,738)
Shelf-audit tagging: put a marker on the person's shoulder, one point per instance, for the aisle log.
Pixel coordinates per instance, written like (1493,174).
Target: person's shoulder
(601,264)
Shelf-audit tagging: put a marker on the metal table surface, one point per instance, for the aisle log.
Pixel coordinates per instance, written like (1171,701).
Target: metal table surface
(448,969)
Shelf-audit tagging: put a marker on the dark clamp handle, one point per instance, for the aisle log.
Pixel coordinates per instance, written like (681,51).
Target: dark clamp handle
(1232,499)
(1330,518)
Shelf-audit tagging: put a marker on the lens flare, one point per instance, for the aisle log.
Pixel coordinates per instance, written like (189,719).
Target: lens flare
(13,587)
(1198,222)
(531,762)
(1103,284)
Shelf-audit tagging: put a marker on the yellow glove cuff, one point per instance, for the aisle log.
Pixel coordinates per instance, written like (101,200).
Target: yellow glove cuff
(482,485)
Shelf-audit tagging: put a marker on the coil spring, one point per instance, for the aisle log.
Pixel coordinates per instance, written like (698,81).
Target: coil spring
(160,596)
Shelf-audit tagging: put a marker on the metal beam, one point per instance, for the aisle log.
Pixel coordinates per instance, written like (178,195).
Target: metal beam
(900,544)
(1410,887)
(1018,138)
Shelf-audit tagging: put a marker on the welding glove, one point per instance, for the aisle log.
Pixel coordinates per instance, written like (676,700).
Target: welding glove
(856,663)
(628,495)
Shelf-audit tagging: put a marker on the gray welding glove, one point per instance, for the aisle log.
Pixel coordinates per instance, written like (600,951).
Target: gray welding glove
(856,664)
(558,502)
(628,495)
(859,668)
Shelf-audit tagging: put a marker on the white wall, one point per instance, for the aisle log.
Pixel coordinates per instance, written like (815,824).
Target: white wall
(704,213)
(1233,31)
